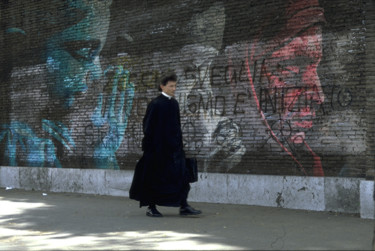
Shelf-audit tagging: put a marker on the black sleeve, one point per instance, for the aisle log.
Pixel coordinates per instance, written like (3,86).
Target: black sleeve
(149,123)
(174,137)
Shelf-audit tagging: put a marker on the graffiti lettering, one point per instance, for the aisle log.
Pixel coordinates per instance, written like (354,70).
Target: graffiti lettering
(198,103)
(273,99)
(217,75)
(141,105)
(217,105)
(148,79)
(240,99)
(344,97)
(212,105)
(231,75)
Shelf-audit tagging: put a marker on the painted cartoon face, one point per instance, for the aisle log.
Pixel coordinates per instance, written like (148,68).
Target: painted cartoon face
(73,54)
(195,71)
(291,91)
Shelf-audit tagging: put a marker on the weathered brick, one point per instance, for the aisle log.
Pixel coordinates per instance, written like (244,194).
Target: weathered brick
(231,57)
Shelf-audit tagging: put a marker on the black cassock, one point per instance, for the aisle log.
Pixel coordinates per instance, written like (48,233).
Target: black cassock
(160,175)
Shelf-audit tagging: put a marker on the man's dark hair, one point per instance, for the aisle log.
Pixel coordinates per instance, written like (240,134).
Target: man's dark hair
(166,78)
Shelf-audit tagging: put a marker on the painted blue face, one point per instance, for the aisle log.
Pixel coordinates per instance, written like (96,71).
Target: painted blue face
(73,54)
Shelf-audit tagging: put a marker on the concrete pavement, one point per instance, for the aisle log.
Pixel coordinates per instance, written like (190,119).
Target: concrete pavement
(35,220)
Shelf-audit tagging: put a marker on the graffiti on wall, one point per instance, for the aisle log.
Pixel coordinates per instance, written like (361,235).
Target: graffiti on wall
(198,101)
(282,72)
(72,66)
(257,93)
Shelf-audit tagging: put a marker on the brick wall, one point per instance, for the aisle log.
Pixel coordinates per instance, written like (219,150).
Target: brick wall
(265,87)
(370,86)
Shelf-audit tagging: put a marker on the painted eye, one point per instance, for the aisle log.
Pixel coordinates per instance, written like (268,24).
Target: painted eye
(290,69)
(83,50)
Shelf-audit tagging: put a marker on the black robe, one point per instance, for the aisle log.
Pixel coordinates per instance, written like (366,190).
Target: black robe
(160,175)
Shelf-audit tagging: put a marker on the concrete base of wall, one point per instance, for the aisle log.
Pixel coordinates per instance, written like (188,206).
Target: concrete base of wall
(366,199)
(346,195)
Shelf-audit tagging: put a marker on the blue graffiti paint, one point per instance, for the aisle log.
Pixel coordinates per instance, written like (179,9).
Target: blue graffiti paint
(15,30)
(115,115)
(73,65)
(60,132)
(73,53)
(20,140)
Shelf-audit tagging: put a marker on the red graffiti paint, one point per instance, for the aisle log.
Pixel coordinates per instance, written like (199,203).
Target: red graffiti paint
(288,76)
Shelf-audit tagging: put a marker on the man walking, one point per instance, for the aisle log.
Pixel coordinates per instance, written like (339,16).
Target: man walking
(160,177)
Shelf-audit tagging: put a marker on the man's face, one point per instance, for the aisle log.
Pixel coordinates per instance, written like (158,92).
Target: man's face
(289,76)
(169,88)
(73,54)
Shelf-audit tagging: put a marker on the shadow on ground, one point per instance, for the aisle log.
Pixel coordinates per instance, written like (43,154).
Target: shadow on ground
(36,220)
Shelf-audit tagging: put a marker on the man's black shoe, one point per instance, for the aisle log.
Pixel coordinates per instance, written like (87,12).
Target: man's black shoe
(188,210)
(153,212)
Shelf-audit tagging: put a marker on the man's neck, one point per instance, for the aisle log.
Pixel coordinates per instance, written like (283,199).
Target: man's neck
(166,95)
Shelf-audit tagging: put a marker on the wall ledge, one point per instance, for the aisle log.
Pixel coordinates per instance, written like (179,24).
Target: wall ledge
(346,195)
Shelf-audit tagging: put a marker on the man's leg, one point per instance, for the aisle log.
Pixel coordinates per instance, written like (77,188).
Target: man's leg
(152,211)
(185,194)
(185,209)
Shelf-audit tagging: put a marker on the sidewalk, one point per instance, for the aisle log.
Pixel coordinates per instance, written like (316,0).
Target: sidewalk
(34,220)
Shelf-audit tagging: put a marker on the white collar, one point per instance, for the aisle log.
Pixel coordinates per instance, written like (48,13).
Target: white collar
(169,97)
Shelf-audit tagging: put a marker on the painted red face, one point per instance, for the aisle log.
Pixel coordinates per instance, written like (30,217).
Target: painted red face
(290,76)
